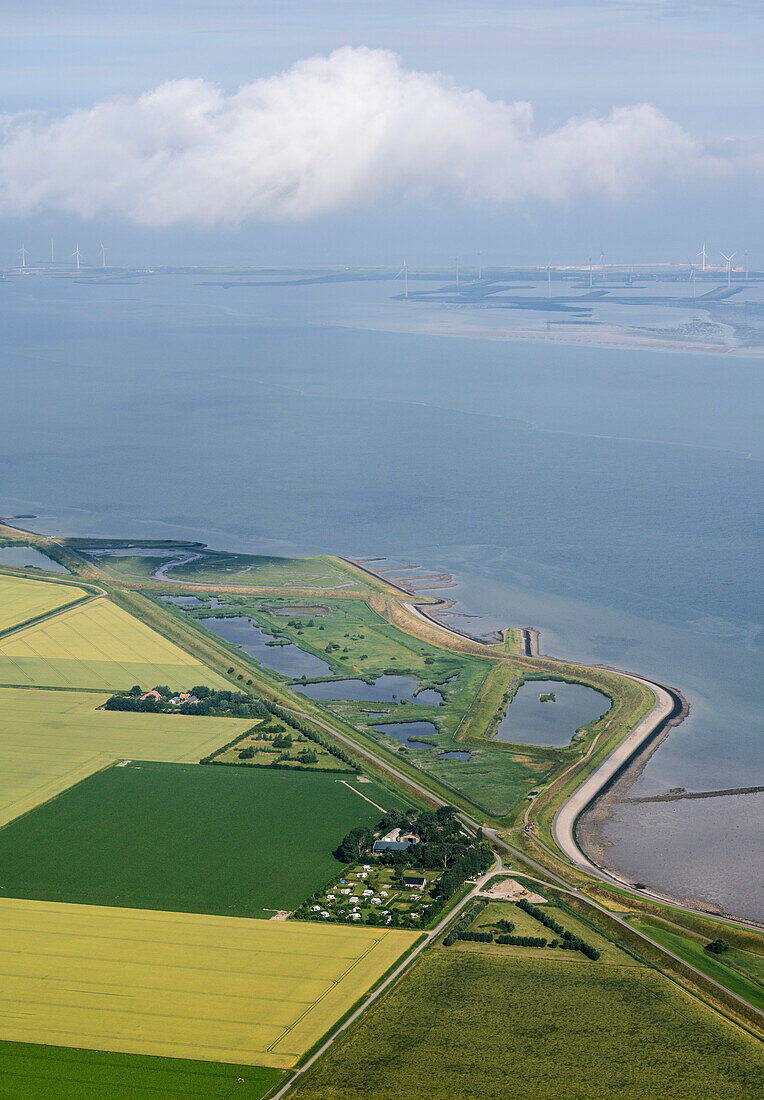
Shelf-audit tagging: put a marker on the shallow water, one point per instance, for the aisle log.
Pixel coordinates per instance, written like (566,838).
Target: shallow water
(27,555)
(289,660)
(528,721)
(386,689)
(406,732)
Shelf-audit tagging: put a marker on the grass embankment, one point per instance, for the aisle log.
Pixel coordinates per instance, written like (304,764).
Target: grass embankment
(537,1029)
(233,841)
(29,1071)
(739,971)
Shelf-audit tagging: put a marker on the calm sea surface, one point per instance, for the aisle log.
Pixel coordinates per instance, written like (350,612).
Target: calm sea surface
(610,498)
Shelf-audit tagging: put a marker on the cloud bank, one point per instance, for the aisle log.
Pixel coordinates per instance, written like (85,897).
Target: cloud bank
(331,133)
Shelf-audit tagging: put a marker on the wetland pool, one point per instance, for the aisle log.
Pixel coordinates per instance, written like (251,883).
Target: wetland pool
(528,721)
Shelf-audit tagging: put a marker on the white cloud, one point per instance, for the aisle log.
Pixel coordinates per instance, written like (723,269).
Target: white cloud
(330,133)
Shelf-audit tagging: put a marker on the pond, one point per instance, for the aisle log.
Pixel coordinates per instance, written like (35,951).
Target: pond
(21,556)
(405,732)
(528,721)
(454,755)
(182,601)
(386,689)
(288,659)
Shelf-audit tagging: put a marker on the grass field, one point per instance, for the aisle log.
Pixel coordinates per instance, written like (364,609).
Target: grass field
(740,971)
(538,1031)
(269,572)
(22,599)
(526,925)
(29,1071)
(50,740)
(98,645)
(190,838)
(180,985)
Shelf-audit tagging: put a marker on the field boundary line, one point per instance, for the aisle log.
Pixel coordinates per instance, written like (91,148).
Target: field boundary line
(363,796)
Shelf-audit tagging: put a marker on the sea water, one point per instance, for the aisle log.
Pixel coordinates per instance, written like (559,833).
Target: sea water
(608,497)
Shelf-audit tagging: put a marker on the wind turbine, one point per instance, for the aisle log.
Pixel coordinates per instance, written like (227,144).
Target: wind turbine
(103,255)
(77,254)
(745,254)
(480,266)
(591,283)
(549,279)
(692,280)
(456,261)
(702,254)
(729,267)
(23,254)
(404,271)
(52,254)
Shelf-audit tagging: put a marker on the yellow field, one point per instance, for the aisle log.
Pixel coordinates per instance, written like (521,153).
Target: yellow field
(50,740)
(180,985)
(22,599)
(98,645)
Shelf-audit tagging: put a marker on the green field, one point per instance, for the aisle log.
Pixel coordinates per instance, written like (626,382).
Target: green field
(98,646)
(740,971)
(188,838)
(474,1027)
(525,925)
(22,599)
(50,740)
(180,985)
(29,1071)
(267,572)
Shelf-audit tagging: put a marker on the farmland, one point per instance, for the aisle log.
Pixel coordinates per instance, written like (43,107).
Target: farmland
(22,599)
(29,1071)
(98,646)
(50,740)
(187,838)
(181,985)
(587,1031)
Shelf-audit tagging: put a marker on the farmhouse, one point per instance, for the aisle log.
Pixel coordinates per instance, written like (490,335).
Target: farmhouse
(183,697)
(152,695)
(381,846)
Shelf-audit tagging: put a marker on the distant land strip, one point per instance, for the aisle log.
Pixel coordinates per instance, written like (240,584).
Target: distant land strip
(694,794)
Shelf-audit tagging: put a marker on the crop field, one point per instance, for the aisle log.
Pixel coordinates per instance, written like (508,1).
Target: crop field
(50,740)
(181,985)
(191,838)
(539,1031)
(98,646)
(29,1071)
(22,599)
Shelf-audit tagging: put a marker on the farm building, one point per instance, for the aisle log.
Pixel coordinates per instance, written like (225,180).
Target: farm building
(416,882)
(381,846)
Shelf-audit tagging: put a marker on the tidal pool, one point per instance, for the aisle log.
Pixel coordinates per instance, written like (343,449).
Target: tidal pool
(288,659)
(406,731)
(21,556)
(386,689)
(528,721)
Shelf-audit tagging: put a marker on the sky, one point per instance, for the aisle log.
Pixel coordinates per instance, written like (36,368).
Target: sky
(311,132)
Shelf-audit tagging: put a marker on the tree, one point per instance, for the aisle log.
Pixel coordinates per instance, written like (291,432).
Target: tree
(135,690)
(717,947)
(355,845)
